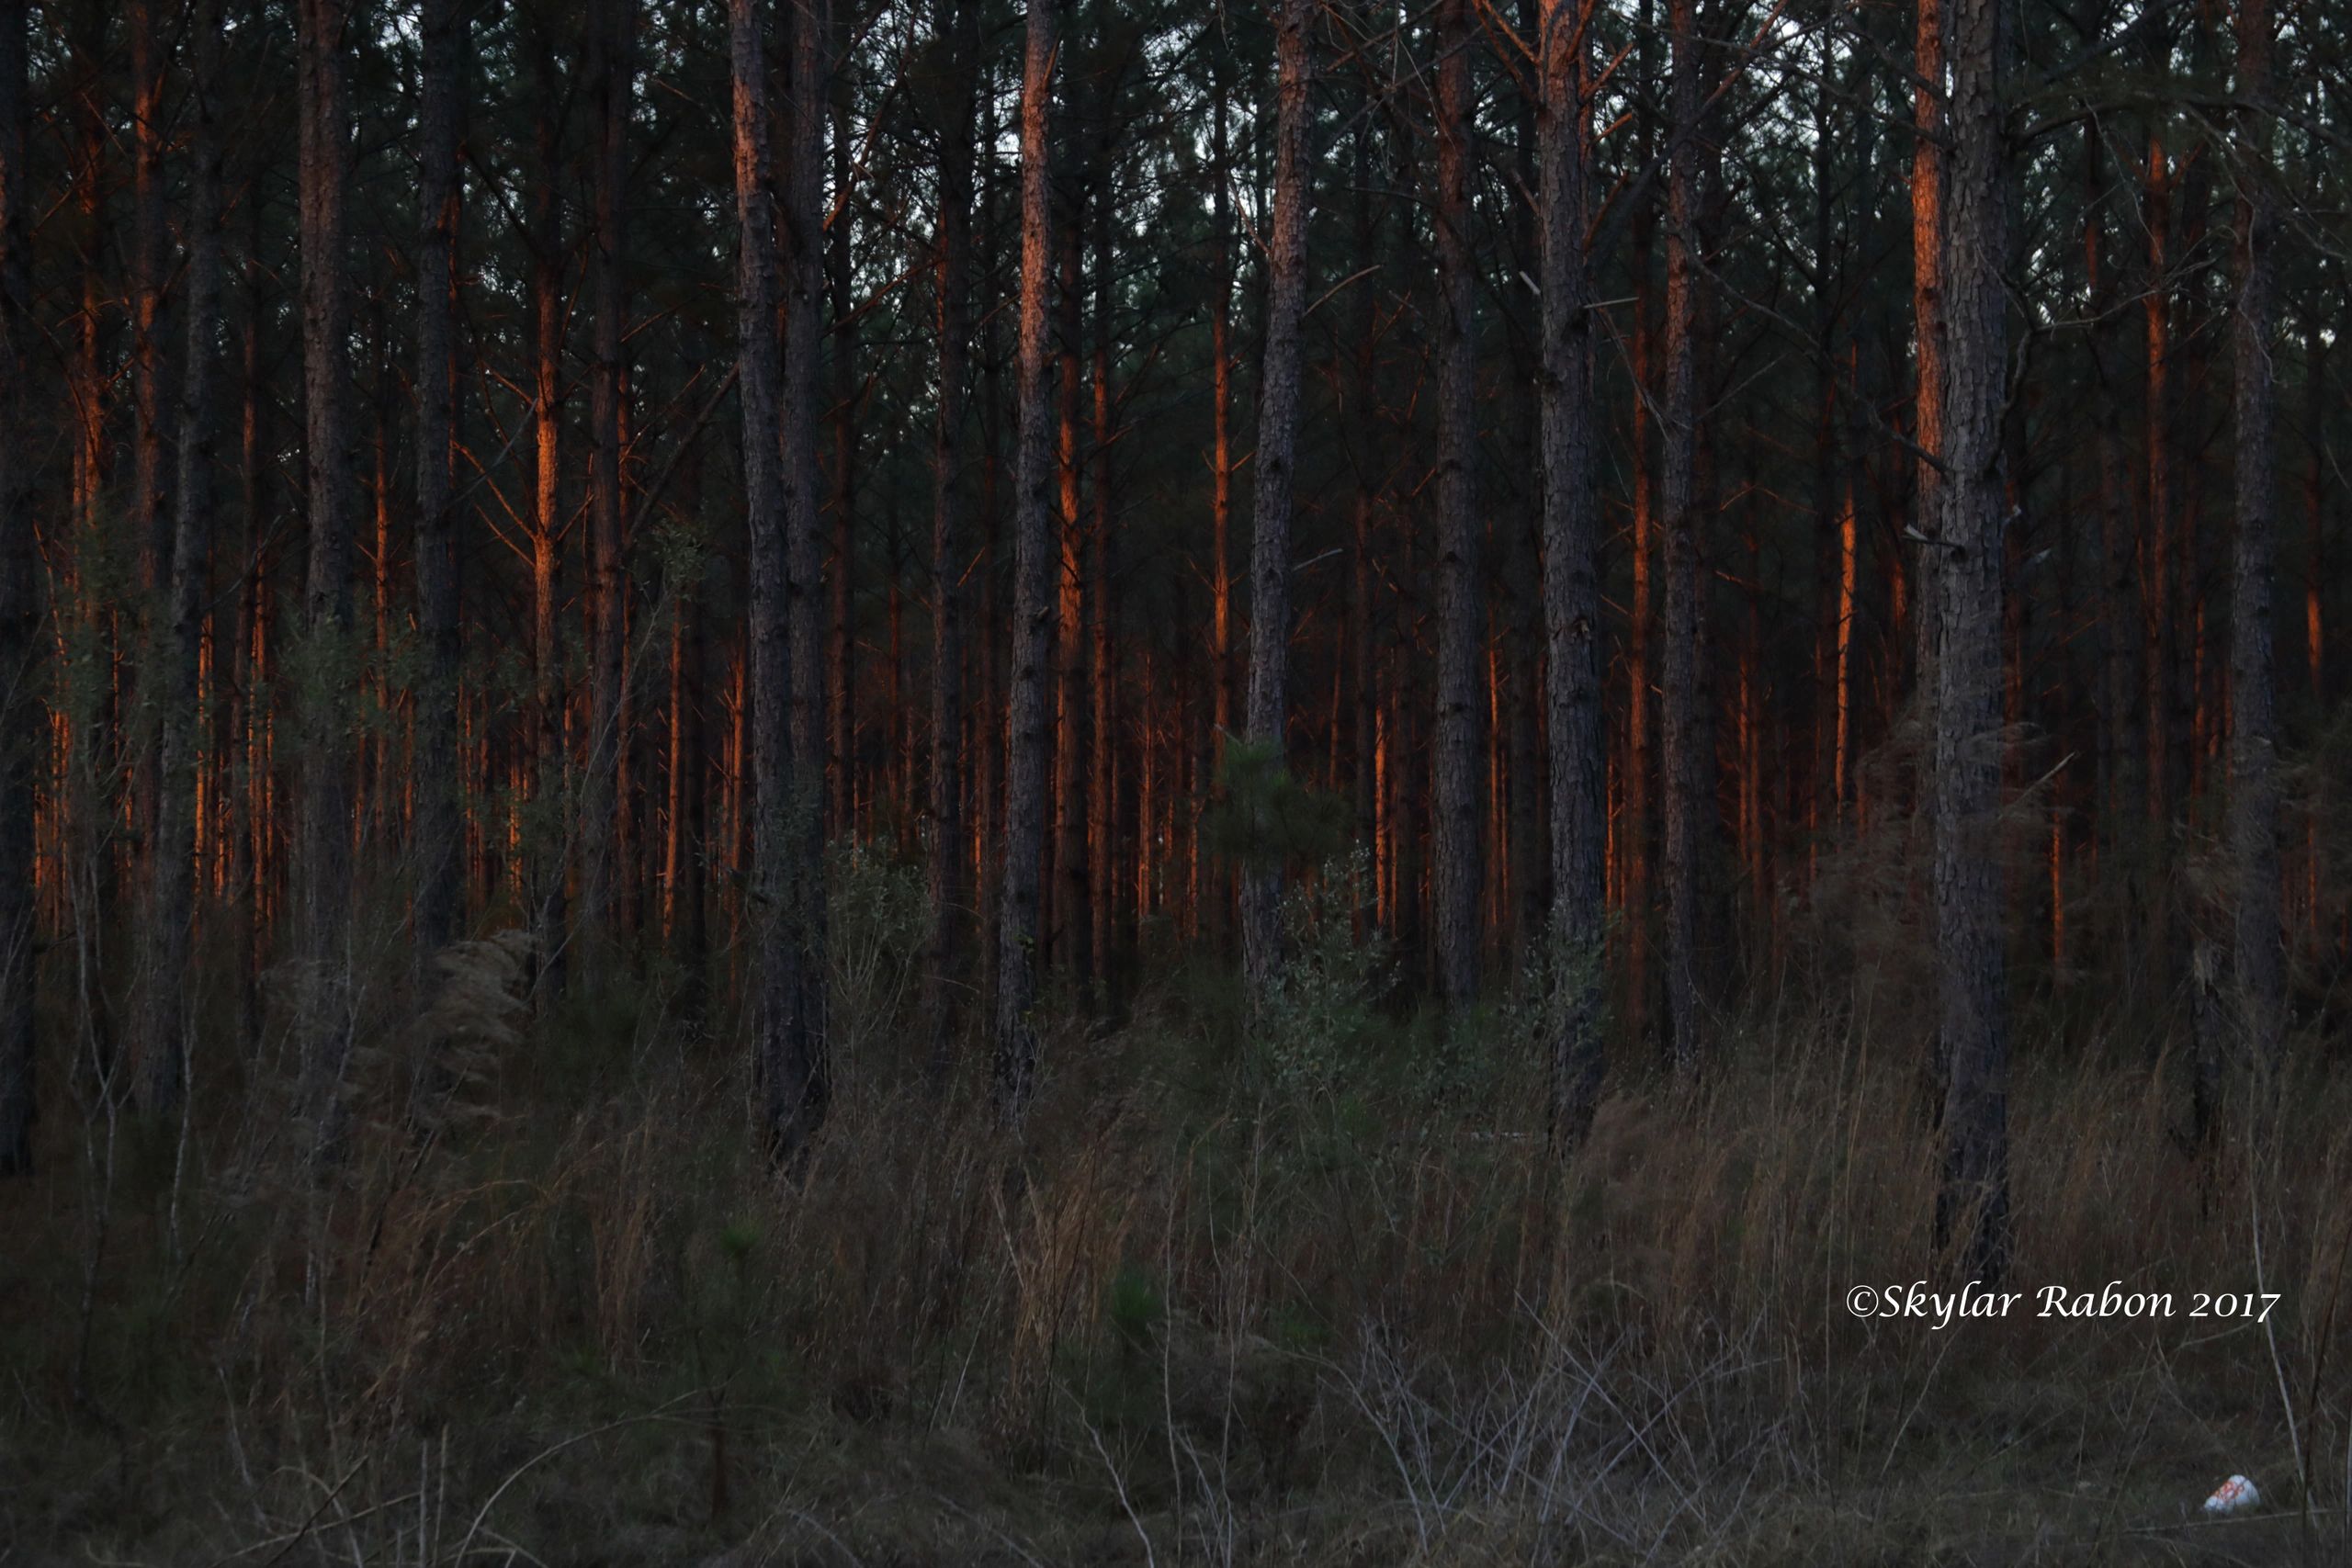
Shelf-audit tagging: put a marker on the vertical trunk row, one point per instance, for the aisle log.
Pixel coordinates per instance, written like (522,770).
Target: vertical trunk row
(802,1092)
(1460,621)
(2254,788)
(839,677)
(1681,768)
(440,893)
(1572,529)
(549,839)
(604,814)
(1269,564)
(1101,788)
(1026,741)
(791,1082)
(175,664)
(958,22)
(1928,156)
(324,854)
(20,616)
(1069,933)
(1972,1208)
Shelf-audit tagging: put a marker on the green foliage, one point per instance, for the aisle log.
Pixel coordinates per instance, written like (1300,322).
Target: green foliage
(1133,1307)
(1319,1014)
(1259,815)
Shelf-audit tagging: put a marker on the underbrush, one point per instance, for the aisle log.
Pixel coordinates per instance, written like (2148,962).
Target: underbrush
(1314,1294)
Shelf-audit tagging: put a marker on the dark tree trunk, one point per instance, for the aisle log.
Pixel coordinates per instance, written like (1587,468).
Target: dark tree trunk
(1683,769)
(2254,728)
(550,835)
(958,24)
(1572,531)
(176,654)
(791,1081)
(20,731)
(1270,563)
(323,905)
(1026,741)
(1458,785)
(807,1087)
(605,815)
(440,891)
(1973,243)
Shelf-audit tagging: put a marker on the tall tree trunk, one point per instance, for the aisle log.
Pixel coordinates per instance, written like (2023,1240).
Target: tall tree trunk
(1457,786)
(1973,243)
(176,668)
(152,522)
(1102,787)
(839,673)
(791,1079)
(1069,933)
(1572,530)
(1270,563)
(20,639)
(1026,742)
(323,877)
(958,22)
(604,814)
(438,836)
(807,1087)
(1682,767)
(2254,788)
(550,830)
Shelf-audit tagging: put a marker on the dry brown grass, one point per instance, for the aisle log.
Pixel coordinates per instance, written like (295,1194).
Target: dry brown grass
(555,1306)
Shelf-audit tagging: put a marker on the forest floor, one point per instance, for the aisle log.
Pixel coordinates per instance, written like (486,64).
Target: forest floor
(1309,1295)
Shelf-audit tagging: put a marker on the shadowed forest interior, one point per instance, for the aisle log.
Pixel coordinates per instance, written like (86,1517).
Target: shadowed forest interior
(934,781)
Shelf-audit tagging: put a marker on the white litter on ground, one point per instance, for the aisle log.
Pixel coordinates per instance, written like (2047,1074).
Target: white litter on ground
(2234,1495)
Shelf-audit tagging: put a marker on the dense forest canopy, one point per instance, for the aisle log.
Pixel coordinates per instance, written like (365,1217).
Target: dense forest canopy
(1450,614)
(489,254)
(1632,516)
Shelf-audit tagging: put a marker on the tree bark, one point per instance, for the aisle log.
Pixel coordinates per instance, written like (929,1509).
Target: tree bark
(21,640)
(323,877)
(440,892)
(1680,765)
(957,21)
(605,815)
(172,913)
(1270,563)
(1026,742)
(1460,618)
(2254,728)
(791,1078)
(1972,241)
(807,1080)
(551,774)
(1572,530)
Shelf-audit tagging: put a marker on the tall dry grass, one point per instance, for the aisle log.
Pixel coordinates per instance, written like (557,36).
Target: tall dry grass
(1317,1299)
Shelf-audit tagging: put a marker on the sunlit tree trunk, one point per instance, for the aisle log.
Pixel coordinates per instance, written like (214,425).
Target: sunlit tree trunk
(549,839)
